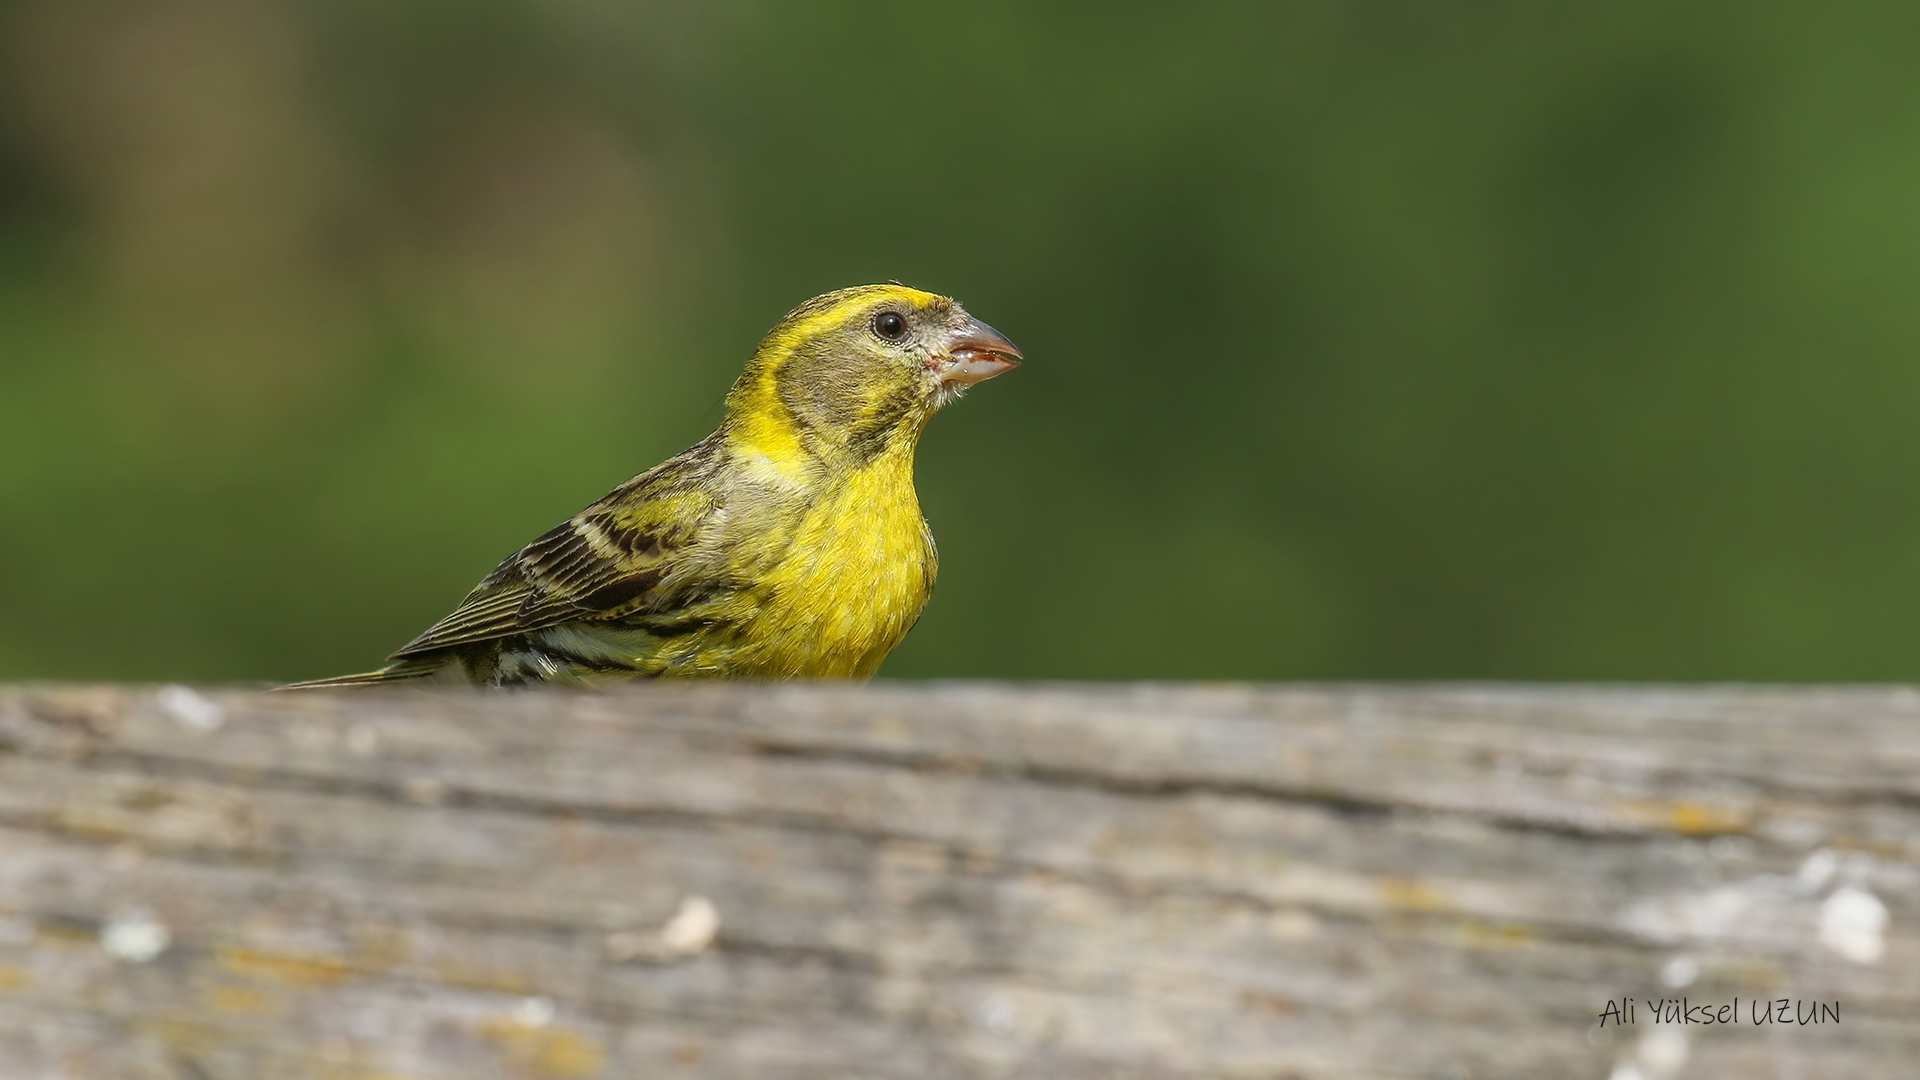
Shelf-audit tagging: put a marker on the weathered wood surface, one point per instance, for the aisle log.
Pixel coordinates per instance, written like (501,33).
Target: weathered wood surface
(954,881)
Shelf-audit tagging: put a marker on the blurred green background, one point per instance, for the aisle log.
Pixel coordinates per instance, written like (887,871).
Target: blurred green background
(1365,339)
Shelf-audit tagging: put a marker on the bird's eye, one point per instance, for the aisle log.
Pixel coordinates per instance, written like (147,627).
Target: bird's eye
(890,325)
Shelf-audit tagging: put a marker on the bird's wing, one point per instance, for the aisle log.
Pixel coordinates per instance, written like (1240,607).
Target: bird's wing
(607,561)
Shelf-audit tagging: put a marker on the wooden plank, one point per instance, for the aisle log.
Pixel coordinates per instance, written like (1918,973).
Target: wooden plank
(957,880)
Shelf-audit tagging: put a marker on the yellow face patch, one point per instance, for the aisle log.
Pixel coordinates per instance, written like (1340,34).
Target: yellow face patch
(759,424)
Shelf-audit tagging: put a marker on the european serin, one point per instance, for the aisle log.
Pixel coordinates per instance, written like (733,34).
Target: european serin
(787,543)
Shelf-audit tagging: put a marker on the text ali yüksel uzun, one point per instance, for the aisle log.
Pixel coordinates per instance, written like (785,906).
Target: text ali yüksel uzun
(1759,1013)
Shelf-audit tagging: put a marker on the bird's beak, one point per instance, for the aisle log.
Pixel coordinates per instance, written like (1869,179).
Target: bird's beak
(977,352)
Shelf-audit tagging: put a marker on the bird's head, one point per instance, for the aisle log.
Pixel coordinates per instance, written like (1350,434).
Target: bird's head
(860,370)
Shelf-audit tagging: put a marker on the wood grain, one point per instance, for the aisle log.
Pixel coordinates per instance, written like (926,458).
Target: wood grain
(954,880)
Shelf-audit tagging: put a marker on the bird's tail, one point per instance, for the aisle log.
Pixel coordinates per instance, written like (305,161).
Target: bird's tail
(401,671)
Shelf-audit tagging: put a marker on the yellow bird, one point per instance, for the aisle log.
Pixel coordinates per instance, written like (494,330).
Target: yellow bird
(789,543)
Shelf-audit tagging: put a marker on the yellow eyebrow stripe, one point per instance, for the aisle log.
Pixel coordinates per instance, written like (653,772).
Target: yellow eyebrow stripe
(805,327)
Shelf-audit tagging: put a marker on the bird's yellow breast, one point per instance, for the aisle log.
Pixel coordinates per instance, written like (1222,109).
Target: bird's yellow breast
(852,581)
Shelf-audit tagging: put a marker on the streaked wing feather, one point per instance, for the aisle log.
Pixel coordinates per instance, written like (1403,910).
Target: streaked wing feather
(484,615)
(604,562)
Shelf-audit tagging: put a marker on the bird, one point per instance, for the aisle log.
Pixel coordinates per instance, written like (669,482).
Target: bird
(789,543)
